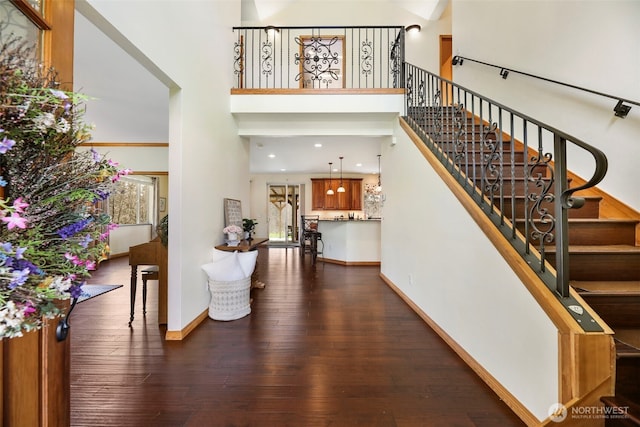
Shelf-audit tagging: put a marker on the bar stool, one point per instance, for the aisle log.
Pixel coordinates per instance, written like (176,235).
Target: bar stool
(315,237)
(311,236)
(150,273)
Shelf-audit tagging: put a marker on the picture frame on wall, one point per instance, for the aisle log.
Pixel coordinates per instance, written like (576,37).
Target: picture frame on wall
(232,212)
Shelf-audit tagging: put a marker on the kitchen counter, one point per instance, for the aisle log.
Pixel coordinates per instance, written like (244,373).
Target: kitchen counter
(347,219)
(350,242)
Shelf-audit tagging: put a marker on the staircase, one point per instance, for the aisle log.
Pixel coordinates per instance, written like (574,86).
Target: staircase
(604,260)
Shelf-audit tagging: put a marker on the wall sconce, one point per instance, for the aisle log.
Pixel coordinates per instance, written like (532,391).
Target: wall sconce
(457,60)
(621,110)
(504,73)
(270,29)
(415,28)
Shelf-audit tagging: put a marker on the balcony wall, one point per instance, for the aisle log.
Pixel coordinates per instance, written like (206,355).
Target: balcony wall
(316,112)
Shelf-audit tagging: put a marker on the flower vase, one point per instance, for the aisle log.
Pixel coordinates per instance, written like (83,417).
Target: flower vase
(232,237)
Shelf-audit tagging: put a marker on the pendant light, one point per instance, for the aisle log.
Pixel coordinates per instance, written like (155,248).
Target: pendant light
(330,190)
(341,188)
(379,187)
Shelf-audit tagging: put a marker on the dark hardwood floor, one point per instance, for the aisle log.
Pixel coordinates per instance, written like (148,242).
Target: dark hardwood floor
(324,346)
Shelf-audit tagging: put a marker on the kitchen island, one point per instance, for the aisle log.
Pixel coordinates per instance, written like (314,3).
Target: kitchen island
(350,242)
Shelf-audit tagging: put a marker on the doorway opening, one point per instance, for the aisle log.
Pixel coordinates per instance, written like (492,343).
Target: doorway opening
(283,207)
(446,68)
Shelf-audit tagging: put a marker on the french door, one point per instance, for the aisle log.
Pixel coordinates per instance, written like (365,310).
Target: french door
(283,208)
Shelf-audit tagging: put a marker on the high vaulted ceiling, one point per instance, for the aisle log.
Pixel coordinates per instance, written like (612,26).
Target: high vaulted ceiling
(259,10)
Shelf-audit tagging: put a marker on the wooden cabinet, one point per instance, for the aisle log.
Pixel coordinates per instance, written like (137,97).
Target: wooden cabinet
(318,194)
(330,202)
(351,199)
(356,194)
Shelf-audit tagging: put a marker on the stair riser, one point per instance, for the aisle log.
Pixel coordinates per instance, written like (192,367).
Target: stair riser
(479,157)
(598,233)
(476,134)
(618,311)
(591,208)
(518,185)
(624,409)
(612,266)
(628,376)
(520,170)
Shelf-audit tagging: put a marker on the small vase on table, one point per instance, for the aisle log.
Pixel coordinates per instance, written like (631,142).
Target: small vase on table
(232,239)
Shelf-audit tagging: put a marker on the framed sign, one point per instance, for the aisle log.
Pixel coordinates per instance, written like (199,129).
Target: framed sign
(232,212)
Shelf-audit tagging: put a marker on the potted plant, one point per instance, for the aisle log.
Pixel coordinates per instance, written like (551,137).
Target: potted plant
(163,230)
(248,225)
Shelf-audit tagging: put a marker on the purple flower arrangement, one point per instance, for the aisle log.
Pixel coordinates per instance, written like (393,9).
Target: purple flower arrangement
(52,229)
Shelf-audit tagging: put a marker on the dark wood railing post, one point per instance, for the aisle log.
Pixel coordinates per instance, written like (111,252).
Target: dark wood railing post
(561,214)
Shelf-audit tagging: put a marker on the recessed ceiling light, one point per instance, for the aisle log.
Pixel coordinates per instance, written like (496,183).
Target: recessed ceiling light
(359,165)
(317,145)
(271,156)
(282,170)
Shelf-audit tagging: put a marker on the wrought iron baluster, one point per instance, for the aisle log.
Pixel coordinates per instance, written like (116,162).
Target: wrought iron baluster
(460,143)
(266,65)
(238,60)
(317,58)
(542,200)
(366,58)
(491,161)
(395,63)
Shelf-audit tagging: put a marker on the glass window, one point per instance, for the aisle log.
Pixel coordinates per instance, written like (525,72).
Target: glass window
(133,201)
(14,21)
(37,5)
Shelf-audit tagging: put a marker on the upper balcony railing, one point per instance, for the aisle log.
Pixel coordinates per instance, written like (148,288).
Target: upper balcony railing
(318,57)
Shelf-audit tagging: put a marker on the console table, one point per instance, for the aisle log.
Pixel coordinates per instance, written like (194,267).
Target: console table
(245,246)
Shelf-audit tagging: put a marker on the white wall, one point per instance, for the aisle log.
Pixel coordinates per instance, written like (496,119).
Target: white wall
(593,44)
(421,49)
(127,103)
(207,160)
(125,236)
(456,276)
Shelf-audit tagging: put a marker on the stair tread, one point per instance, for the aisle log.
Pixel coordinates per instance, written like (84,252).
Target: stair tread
(599,249)
(594,220)
(584,197)
(628,287)
(609,220)
(630,403)
(627,342)
(623,400)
